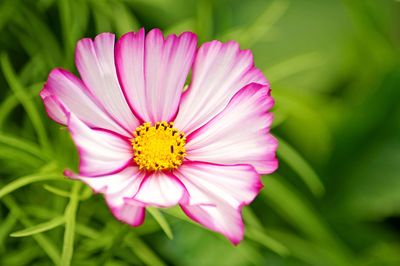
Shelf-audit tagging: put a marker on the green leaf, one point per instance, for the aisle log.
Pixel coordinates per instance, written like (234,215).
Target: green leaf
(294,65)
(70,224)
(24,160)
(64,8)
(44,243)
(255,231)
(310,252)
(125,21)
(57,191)
(159,217)
(86,193)
(87,231)
(304,111)
(296,210)
(7,9)
(28,104)
(177,213)
(204,19)
(261,237)
(6,225)
(142,251)
(26,180)
(40,227)
(249,35)
(35,26)
(300,166)
(11,101)
(23,145)
(38,211)
(181,26)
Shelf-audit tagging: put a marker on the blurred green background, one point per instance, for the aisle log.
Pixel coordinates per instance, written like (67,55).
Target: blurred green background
(335,74)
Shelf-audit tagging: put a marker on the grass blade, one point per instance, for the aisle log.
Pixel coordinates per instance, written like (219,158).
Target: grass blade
(248,36)
(310,252)
(159,217)
(294,66)
(24,145)
(26,180)
(45,244)
(144,253)
(204,20)
(39,228)
(21,158)
(5,228)
(70,224)
(296,210)
(255,231)
(57,191)
(25,100)
(9,103)
(301,167)
(267,241)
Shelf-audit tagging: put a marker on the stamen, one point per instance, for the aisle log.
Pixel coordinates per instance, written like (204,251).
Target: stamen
(159,147)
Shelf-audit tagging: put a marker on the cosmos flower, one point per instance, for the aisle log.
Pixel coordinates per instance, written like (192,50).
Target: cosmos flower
(145,141)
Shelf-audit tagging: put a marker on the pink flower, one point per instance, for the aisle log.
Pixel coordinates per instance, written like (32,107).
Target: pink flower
(143,142)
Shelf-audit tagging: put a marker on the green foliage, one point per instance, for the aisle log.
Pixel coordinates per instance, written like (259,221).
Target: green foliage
(335,74)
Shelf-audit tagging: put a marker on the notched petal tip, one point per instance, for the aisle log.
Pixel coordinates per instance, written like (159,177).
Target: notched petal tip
(128,214)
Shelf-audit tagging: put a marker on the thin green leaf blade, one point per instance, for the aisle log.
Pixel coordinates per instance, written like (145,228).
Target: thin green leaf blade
(57,191)
(159,217)
(144,253)
(294,65)
(24,145)
(267,241)
(301,167)
(70,225)
(43,242)
(39,228)
(255,231)
(26,101)
(26,180)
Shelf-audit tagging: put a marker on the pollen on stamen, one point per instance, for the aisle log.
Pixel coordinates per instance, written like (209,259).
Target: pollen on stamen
(158,147)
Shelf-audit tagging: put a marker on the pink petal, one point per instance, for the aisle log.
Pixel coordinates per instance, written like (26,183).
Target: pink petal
(209,184)
(220,71)
(116,187)
(55,109)
(152,71)
(222,219)
(130,214)
(95,63)
(101,152)
(69,94)
(216,194)
(159,189)
(239,134)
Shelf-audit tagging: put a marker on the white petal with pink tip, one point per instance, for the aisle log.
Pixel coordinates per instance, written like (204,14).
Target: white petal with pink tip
(222,218)
(95,62)
(239,134)
(236,184)
(127,213)
(71,96)
(220,70)
(216,194)
(116,188)
(159,189)
(101,152)
(153,71)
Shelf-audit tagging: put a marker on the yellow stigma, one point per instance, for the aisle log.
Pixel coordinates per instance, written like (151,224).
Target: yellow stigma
(158,147)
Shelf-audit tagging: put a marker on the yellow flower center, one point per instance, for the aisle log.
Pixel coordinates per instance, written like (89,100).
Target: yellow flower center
(158,147)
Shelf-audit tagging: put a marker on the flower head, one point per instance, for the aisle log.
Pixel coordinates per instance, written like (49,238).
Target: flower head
(143,141)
